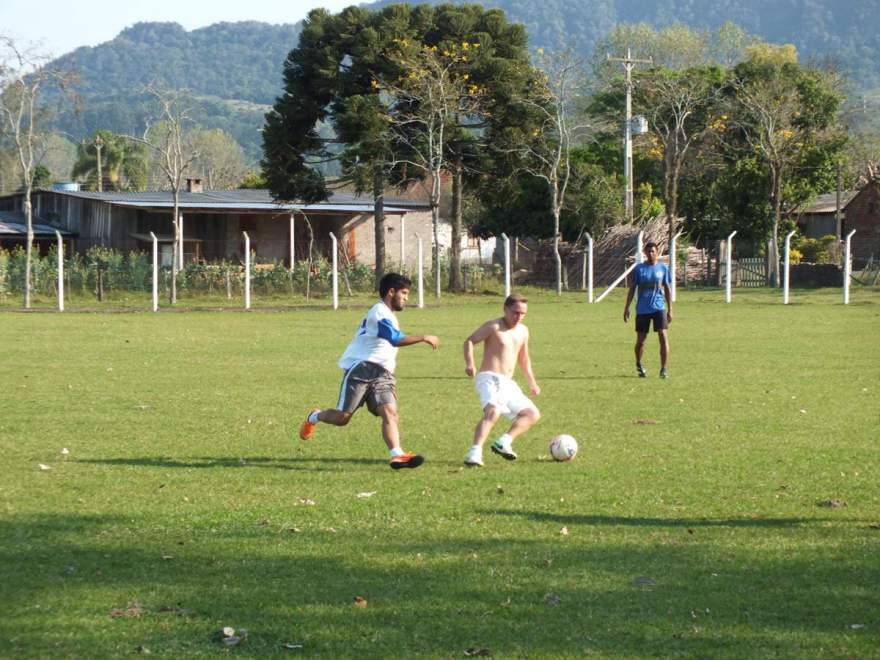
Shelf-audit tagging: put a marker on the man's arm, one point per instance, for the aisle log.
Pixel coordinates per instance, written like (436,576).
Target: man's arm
(629,299)
(525,363)
(478,335)
(667,293)
(409,340)
(395,337)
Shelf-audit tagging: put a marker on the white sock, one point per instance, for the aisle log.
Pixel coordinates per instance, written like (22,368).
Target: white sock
(397,451)
(313,417)
(505,440)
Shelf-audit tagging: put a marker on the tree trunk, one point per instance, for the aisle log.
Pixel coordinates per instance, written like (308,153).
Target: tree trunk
(775,197)
(672,201)
(175,247)
(435,222)
(455,253)
(556,256)
(379,224)
(29,218)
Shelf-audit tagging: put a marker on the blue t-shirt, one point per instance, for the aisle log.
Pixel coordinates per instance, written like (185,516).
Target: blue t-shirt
(650,280)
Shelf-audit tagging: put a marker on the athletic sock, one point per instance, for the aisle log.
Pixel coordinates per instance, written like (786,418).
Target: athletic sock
(505,440)
(313,417)
(397,451)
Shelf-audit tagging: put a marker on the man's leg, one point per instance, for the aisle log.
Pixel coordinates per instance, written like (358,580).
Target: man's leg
(640,351)
(481,432)
(330,416)
(523,422)
(484,426)
(390,433)
(334,417)
(663,335)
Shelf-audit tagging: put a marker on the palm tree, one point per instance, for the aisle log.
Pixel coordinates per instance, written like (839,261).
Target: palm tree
(123,163)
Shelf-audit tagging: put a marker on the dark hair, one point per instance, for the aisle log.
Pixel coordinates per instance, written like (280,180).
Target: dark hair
(649,245)
(393,281)
(514,298)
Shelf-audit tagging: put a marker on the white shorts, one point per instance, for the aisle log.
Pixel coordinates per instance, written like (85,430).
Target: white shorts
(502,392)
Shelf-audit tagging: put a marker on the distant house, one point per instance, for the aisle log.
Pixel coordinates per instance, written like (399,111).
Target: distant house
(860,210)
(213,222)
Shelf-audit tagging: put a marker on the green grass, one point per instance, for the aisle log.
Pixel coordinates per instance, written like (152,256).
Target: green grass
(181,503)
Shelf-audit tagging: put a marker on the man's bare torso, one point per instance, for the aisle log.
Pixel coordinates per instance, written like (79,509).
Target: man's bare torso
(502,347)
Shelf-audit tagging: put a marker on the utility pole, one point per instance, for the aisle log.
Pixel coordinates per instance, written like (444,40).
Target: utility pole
(99,142)
(628,63)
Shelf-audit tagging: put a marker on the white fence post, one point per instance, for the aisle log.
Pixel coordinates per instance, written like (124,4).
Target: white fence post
(292,242)
(60,271)
(589,264)
(506,264)
(247,270)
(729,265)
(335,273)
(673,262)
(403,243)
(847,266)
(640,257)
(180,245)
(155,272)
(421,276)
(786,275)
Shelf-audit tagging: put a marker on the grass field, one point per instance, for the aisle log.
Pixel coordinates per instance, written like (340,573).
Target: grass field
(694,521)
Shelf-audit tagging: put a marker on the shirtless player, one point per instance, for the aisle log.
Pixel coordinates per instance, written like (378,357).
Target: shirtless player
(506,343)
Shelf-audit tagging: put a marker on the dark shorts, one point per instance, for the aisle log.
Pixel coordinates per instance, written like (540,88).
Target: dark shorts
(366,382)
(643,322)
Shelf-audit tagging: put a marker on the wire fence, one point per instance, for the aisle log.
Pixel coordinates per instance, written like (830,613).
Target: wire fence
(100,274)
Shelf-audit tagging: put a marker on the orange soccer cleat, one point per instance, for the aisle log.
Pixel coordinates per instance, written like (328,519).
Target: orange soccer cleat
(407,460)
(306,429)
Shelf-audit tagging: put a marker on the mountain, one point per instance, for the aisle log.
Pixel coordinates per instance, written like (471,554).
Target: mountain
(234,69)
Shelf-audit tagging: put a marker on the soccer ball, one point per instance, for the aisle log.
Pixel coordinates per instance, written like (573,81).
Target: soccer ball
(563,447)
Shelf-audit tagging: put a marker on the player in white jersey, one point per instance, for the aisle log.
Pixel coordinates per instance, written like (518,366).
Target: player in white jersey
(368,364)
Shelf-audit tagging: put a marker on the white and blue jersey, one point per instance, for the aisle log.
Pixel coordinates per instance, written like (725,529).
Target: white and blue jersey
(650,280)
(375,340)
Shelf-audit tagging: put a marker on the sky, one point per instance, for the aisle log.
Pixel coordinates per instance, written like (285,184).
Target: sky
(59,27)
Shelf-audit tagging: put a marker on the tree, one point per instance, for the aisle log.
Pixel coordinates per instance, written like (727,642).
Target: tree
(781,113)
(123,162)
(169,142)
(340,74)
(496,62)
(24,74)
(681,108)
(423,111)
(220,158)
(553,100)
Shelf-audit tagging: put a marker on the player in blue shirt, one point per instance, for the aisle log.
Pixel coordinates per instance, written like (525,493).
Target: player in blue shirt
(651,279)
(368,370)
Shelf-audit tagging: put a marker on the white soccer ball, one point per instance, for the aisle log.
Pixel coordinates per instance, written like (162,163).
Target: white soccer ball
(563,447)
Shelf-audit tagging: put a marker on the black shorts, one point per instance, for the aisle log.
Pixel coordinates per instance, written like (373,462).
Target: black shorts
(643,321)
(366,382)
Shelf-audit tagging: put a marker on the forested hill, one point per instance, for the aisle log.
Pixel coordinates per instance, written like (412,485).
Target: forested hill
(844,30)
(228,60)
(235,68)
